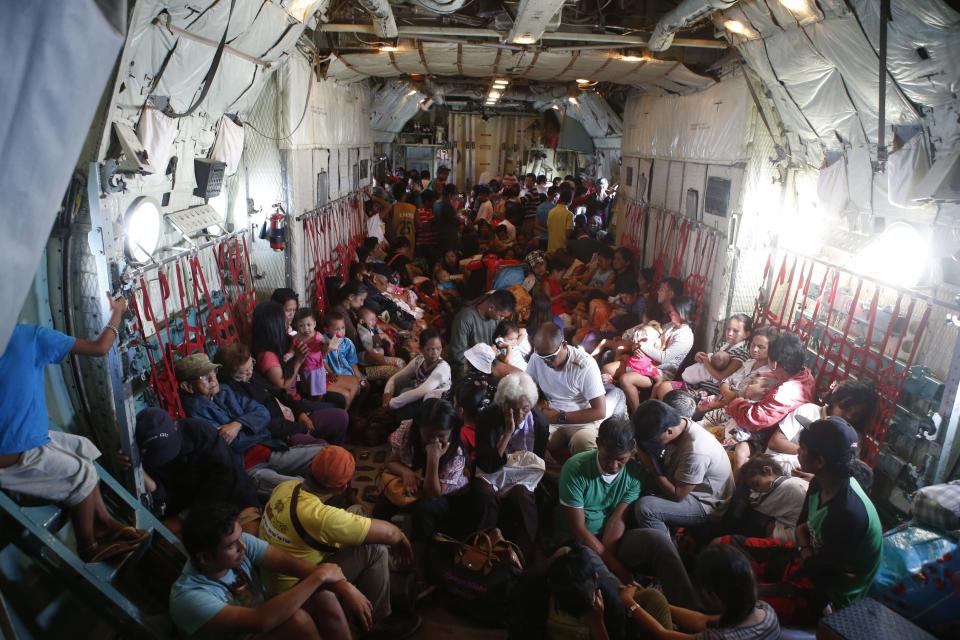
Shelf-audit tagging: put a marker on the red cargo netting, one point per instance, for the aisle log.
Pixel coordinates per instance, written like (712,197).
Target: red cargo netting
(204,323)
(333,234)
(857,327)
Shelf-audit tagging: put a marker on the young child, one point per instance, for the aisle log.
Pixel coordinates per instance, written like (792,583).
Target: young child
(343,372)
(377,349)
(627,353)
(774,494)
(313,373)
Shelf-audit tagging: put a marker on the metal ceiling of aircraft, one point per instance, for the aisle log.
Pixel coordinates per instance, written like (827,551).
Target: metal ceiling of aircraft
(476,61)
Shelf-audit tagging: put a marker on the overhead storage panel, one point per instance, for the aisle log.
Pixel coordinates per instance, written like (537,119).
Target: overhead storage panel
(708,126)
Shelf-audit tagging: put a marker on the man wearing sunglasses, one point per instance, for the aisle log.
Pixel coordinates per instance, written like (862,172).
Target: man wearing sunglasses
(570,380)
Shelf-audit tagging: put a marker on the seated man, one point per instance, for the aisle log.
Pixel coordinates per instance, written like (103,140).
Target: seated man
(475,324)
(596,487)
(219,592)
(692,475)
(299,520)
(52,465)
(570,380)
(189,463)
(242,422)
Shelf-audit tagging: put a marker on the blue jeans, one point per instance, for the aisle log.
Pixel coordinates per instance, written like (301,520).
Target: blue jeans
(653,512)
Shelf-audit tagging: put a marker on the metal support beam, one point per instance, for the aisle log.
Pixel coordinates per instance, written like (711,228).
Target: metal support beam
(532,19)
(612,39)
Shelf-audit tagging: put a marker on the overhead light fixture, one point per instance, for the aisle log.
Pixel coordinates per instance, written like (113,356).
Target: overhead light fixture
(494,95)
(501,82)
(142,224)
(556,106)
(412,92)
(526,38)
(794,5)
(572,100)
(425,104)
(300,9)
(632,58)
(582,81)
(736,26)
(389,48)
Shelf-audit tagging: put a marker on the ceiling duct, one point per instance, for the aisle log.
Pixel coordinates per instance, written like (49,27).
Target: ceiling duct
(441,6)
(533,17)
(686,13)
(382,15)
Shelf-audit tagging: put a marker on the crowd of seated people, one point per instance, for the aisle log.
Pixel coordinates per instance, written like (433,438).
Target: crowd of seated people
(653,489)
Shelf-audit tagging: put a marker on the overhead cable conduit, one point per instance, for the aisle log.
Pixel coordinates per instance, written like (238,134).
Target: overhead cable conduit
(686,13)
(383,21)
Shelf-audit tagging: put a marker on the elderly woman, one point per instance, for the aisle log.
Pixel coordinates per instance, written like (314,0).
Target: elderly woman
(511,438)
(295,421)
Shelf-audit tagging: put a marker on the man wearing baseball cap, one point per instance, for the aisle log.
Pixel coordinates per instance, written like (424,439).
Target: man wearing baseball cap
(187,463)
(299,519)
(839,534)
(243,423)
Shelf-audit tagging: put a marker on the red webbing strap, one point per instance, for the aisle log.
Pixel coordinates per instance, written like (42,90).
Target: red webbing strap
(162,377)
(193,340)
(760,311)
(221,329)
(246,300)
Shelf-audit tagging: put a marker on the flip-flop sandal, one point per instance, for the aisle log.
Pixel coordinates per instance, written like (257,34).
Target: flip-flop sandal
(127,534)
(105,552)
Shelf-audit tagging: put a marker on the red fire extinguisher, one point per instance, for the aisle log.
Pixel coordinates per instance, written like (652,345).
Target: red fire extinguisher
(278,223)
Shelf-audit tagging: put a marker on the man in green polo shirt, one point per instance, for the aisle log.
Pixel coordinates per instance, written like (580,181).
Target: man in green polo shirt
(596,487)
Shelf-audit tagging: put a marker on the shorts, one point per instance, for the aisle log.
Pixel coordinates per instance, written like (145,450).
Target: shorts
(61,471)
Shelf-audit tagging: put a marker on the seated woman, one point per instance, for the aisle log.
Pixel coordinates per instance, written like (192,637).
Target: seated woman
(348,301)
(272,344)
(736,384)
(507,433)
(290,301)
(709,370)
(291,420)
(726,583)
(851,400)
(427,456)
(675,343)
(426,376)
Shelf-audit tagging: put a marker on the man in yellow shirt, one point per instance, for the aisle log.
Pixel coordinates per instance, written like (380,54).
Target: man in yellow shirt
(403,216)
(317,532)
(560,222)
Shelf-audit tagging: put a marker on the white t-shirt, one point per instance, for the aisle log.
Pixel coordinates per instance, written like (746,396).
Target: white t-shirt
(791,427)
(573,387)
(485,212)
(698,458)
(375,227)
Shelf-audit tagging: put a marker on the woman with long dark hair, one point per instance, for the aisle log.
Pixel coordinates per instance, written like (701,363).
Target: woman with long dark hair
(270,346)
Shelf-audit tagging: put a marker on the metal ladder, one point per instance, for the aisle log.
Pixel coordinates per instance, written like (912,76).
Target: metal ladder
(130,594)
